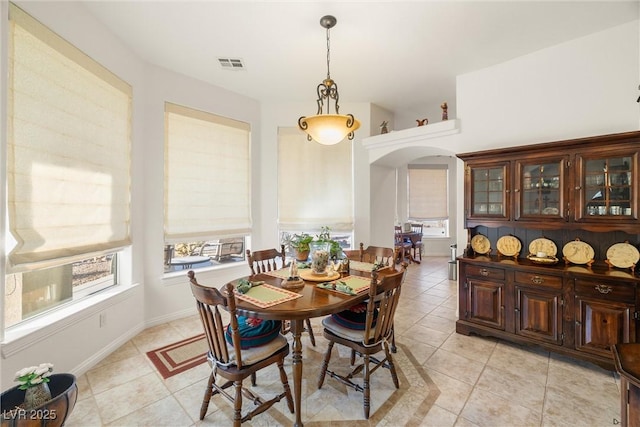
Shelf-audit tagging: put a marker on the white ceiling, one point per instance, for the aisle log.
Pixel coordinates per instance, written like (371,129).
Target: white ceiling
(401,55)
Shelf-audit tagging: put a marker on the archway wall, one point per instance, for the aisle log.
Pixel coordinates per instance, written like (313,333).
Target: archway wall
(389,156)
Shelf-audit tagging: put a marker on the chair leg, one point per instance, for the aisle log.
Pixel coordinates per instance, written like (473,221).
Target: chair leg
(312,338)
(207,396)
(366,387)
(237,404)
(325,364)
(253,379)
(392,366)
(352,360)
(394,349)
(285,384)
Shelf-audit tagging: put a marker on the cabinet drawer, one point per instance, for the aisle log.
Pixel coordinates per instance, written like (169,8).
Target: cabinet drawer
(603,290)
(535,279)
(480,271)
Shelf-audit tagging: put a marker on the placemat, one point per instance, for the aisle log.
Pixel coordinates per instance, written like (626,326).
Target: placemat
(361,266)
(357,284)
(282,273)
(267,296)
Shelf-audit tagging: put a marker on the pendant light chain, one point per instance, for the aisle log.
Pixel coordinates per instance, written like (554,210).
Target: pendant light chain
(328,54)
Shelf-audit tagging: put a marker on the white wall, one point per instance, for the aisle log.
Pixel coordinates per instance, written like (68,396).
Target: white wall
(580,88)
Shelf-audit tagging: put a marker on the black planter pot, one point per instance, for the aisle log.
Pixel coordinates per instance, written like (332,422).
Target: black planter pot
(54,413)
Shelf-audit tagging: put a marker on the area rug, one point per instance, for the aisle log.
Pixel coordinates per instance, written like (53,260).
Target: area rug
(175,358)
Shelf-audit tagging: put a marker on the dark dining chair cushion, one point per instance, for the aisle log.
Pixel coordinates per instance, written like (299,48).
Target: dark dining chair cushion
(254,332)
(354,317)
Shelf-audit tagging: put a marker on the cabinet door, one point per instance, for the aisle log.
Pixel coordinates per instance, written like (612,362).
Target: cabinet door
(539,314)
(485,303)
(607,187)
(540,189)
(487,191)
(601,324)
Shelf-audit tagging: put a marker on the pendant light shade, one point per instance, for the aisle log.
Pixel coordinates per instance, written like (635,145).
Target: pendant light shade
(328,129)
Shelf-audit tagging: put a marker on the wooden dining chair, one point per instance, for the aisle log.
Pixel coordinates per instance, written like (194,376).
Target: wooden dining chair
(266,260)
(416,244)
(232,361)
(369,337)
(402,248)
(378,255)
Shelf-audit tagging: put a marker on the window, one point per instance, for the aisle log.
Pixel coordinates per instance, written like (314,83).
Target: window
(68,162)
(31,293)
(427,198)
(315,184)
(207,215)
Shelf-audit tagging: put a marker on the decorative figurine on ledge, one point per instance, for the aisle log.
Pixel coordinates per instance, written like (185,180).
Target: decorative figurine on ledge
(383,127)
(445,114)
(422,122)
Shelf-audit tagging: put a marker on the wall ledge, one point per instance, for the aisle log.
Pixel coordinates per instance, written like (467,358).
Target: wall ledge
(412,135)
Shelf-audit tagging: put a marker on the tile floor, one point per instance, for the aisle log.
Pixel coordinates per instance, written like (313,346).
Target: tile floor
(481,382)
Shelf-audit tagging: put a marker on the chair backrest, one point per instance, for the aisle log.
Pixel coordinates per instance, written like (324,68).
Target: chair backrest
(384,295)
(266,260)
(354,254)
(210,302)
(417,228)
(379,255)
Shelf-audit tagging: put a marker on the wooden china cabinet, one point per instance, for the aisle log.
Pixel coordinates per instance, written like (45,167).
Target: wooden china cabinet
(583,190)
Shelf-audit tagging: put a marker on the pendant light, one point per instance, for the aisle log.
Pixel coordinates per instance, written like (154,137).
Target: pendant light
(328,129)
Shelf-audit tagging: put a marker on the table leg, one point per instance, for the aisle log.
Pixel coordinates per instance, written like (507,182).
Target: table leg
(624,400)
(296,328)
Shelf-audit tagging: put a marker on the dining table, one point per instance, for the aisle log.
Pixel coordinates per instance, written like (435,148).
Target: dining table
(312,300)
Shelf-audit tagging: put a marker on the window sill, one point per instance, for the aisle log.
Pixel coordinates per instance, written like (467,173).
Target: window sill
(29,332)
(180,276)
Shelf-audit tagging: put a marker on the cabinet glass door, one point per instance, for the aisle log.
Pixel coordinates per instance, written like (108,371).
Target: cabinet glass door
(607,185)
(488,191)
(541,189)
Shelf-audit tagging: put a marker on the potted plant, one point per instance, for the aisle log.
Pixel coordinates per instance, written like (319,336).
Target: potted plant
(41,398)
(300,244)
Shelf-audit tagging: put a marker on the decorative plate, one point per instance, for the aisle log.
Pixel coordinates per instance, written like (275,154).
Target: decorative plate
(543,245)
(509,245)
(480,244)
(622,255)
(578,252)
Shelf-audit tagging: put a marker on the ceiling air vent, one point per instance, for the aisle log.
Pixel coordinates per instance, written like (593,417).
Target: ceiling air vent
(231,63)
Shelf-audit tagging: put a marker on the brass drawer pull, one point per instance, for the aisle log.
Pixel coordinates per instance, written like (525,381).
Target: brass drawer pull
(603,289)
(484,272)
(537,280)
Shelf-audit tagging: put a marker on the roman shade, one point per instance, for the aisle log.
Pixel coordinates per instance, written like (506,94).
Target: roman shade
(428,192)
(207,176)
(69,143)
(315,183)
